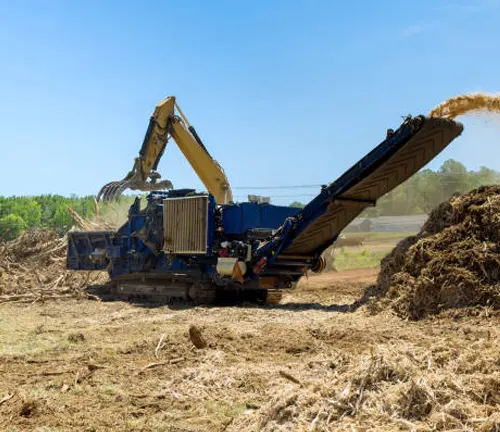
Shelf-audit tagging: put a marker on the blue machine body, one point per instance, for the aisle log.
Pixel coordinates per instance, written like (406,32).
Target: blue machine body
(136,246)
(241,218)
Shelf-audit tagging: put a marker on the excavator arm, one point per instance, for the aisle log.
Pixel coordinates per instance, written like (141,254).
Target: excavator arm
(168,121)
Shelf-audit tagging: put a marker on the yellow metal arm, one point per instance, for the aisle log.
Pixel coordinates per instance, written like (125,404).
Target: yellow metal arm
(164,123)
(208,170)
(156,137)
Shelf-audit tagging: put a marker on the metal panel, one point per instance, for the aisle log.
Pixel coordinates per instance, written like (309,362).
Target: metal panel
(239,218)
(92,250)
(185,225)
(272,216)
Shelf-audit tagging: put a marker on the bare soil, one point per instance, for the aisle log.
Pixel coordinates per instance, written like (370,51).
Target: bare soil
(310,363)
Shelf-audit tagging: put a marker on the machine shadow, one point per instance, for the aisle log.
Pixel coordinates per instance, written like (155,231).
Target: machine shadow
(102,293)
(370,292)
(300,307)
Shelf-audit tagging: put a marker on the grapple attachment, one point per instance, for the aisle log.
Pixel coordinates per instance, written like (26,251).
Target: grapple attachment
(133,180)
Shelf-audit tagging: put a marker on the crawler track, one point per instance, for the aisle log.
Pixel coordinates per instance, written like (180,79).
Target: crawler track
(169,292)
(273,296)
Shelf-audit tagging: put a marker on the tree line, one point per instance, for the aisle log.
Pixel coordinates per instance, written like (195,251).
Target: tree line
(426,189)
(418,195)
(18,213)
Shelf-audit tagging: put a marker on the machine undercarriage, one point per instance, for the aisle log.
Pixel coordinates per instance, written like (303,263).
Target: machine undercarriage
(141,288)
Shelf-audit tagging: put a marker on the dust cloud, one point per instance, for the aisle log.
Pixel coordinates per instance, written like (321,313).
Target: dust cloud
(115,213)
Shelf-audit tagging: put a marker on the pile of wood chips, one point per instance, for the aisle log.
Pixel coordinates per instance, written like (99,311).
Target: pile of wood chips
(454,262)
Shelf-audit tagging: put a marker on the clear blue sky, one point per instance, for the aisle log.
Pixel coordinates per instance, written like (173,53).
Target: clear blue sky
(282,92)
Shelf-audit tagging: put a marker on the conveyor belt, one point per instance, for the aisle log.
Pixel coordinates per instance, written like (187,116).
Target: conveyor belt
(396,159)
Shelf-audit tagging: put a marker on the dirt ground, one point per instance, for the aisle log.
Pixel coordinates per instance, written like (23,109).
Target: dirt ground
(94,366)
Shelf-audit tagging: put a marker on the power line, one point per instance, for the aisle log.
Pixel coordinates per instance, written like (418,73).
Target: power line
(439,174)
(282,196)
(279,187)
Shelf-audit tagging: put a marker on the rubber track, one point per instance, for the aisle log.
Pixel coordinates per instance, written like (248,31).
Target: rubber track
(273,296)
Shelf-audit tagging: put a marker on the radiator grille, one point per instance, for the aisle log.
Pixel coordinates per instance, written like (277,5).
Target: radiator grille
(185,225)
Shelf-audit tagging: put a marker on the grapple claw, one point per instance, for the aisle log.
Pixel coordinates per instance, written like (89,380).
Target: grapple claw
(133,180)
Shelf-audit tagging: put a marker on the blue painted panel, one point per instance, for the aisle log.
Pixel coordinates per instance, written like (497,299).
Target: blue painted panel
(273,216)
(211,223)
(239,218)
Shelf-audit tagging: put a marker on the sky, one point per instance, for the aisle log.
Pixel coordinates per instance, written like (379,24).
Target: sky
(283,93)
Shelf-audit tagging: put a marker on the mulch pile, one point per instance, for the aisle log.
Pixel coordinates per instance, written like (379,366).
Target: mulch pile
(453,262)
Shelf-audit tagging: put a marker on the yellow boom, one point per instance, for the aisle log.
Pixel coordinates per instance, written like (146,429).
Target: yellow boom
(169,121)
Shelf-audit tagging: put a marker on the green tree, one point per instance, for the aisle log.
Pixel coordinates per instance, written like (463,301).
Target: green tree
(297,204)
(483,177)
(28,209)
(454,178)
(11,226)
(62,220)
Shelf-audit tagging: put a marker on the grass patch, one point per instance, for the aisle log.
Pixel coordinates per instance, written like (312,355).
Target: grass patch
(379,235)
(29,343)
(48,429)
(110,390)
(344,259)
(224,409)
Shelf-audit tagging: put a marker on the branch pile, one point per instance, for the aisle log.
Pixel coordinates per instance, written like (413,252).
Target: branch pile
(33,268)
(390,389)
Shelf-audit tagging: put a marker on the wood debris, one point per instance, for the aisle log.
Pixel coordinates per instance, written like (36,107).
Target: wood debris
(196,337)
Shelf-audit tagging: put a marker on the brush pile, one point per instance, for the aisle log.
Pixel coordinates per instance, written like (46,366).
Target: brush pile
(385,390)
(454,262)
(33,268)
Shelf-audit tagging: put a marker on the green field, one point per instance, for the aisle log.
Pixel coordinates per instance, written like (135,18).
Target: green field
(379,235)
(375,246)
(345,259)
